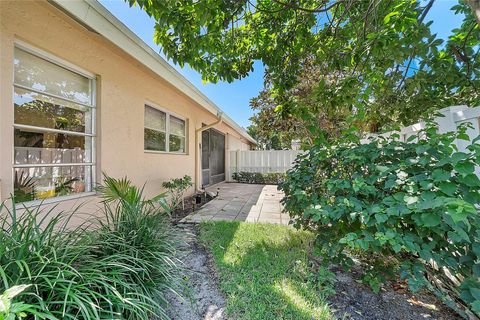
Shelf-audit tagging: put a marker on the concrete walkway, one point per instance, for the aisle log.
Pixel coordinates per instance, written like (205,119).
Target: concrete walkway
(242,202)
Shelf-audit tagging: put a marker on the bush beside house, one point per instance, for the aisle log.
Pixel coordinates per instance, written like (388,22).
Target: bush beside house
(410,207)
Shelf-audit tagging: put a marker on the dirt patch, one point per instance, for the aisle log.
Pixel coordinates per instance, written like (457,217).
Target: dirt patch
(202,299)
(191,205)
(356,301)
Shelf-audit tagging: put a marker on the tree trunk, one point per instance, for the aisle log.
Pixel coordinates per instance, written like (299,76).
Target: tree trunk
(475,5)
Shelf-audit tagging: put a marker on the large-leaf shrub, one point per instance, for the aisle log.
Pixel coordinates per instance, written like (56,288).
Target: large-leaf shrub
(411,202)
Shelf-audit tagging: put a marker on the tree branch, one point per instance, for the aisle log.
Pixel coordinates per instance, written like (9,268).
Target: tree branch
(319,9)
(412,55)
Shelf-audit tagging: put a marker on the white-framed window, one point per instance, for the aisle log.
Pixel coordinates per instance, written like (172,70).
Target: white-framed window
(164,131)
(54,127)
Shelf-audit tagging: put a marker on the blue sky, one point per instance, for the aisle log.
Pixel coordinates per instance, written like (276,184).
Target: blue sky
(233,98)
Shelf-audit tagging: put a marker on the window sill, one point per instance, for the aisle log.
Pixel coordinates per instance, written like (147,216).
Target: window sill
(36,203)
(166,152)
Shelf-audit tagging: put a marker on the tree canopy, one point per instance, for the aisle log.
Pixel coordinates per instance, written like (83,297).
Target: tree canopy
(376,59)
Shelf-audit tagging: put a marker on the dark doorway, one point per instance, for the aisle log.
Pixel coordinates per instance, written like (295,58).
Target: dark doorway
(213,157)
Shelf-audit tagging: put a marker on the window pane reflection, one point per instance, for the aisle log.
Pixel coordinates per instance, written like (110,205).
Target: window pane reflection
(41,75)
(33,109)
(154,140)
(177,126)
(155,119)
(177,144)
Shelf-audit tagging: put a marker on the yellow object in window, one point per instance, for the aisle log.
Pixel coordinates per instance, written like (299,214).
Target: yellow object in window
(44,192)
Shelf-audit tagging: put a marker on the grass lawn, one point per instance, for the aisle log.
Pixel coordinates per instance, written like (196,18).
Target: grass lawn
(263,271)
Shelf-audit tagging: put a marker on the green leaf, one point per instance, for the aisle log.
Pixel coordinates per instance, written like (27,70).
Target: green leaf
(391,182)
(425,205)
(470,180)
(476,306)
(362,244)
(459,235)
(464,167)
(430,219)
(428,195)
(410,200)
(349,237)
(440,175)
(387,18)
(448,188)
(396,247)
(381,217)
(476,270)
(458,214)
(475,293)
(458,156)
(421,149)
(476,248)
(463,136)
(382,168)
(412,138)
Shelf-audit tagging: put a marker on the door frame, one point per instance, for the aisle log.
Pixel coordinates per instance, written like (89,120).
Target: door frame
(209,151)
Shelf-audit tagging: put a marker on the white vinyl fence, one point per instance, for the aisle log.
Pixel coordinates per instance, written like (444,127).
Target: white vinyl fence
(36,156)
(452,118)
(263,161)
(281,160)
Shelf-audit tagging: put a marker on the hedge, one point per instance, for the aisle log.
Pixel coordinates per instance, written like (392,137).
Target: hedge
(411,208)
(258,177)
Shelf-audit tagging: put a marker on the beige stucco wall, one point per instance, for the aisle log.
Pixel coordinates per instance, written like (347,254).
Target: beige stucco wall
(123,87)
(234,143)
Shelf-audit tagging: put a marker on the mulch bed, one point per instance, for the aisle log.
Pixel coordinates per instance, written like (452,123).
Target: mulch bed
(190,206)
(356,301)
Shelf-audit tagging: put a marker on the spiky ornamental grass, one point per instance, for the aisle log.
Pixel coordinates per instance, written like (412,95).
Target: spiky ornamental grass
(117,269)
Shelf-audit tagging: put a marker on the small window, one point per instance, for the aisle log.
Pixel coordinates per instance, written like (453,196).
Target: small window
(177,135)
(53,129)
(155,131)
(164,132)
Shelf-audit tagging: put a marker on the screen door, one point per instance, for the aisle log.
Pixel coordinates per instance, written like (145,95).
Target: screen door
(213,157)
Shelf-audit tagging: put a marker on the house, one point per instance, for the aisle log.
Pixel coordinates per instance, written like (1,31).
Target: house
(81,94)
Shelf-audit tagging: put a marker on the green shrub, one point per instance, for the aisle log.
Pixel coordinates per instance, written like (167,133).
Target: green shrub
(415,203)
(176,189)
(258,177)
(120,270)
(37,250)
(136,233)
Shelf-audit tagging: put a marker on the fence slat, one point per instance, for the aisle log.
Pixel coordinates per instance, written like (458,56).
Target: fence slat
(451,119)
(264,161)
